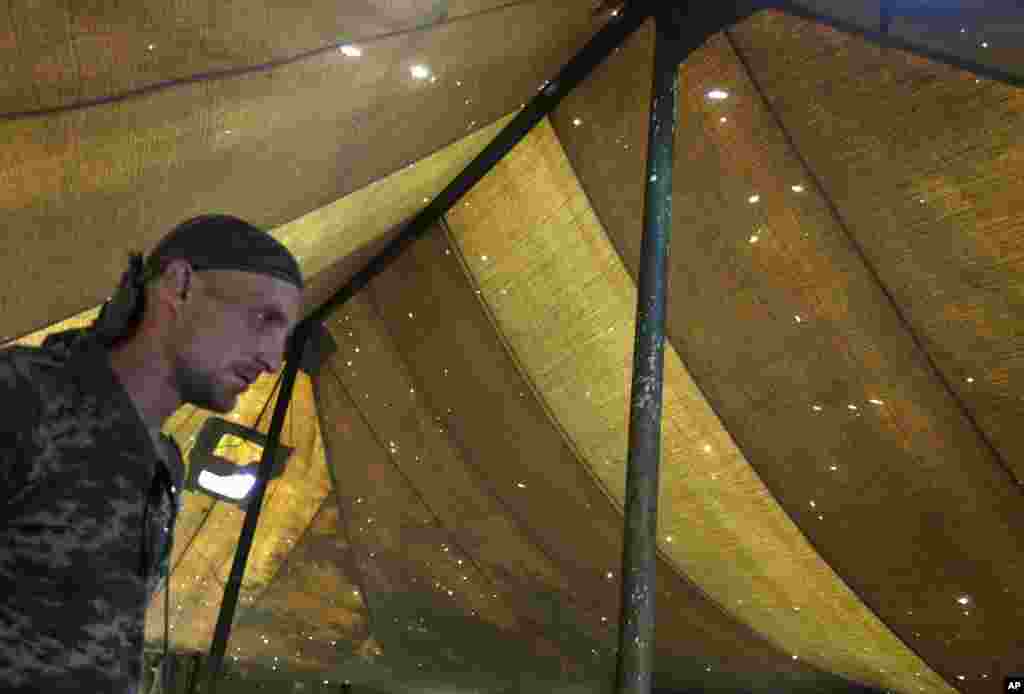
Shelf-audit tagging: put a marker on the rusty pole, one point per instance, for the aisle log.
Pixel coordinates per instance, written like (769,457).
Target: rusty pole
(639,555)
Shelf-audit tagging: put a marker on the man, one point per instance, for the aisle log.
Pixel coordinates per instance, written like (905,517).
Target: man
(91,488)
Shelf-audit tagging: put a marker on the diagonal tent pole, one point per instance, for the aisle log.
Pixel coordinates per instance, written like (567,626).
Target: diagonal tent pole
(575,71)
(296,345)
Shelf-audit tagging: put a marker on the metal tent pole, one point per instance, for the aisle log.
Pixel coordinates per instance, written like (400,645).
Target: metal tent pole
(252,513)
(639,552)
(681,27)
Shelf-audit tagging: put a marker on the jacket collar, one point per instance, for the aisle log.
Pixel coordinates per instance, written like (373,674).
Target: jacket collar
(88,363)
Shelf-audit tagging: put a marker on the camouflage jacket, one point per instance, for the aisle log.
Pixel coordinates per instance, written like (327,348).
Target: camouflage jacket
(86,522)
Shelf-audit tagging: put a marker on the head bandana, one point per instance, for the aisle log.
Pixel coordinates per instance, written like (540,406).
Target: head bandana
(208,242)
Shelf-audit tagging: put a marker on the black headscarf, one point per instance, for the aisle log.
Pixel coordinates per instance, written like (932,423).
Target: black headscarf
(207,242)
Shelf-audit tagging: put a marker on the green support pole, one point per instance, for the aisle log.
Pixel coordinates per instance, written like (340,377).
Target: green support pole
(636,615)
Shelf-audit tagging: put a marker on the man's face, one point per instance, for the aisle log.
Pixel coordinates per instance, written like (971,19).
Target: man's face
(237,329)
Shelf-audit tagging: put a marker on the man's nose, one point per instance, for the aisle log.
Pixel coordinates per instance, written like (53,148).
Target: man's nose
(273,364)
(270,362)
(272,359)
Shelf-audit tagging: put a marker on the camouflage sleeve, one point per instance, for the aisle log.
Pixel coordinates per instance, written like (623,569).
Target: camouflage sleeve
(15,394)
(8,460)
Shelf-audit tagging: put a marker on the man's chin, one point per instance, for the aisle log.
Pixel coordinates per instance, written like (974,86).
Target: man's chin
(230,402)
(224,404)
(218,395)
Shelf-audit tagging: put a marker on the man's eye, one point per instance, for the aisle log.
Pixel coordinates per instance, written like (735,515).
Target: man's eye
(268,317)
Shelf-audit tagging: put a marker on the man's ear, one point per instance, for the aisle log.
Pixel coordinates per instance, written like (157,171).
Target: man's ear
(179,276)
